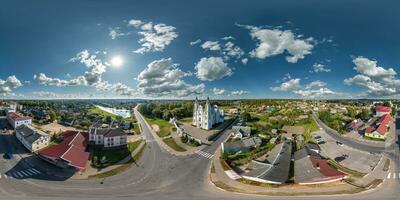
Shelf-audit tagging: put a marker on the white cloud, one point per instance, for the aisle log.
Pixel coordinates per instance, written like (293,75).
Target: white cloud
(153,37)
(239,92)
(316,84)
(7,86)
(321,92)
(218,92)
(318,67)
(228,38)
(195,42)
(245,60)
(273,42)
(211,45)
(371,69)
(233,51)
(378,81)
(164,78)
(92,77)
(290,85)
(135,22)
(311,90)
(116,32)
(212,68)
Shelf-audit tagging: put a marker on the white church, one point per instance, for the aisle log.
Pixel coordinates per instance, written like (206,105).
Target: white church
(206,117)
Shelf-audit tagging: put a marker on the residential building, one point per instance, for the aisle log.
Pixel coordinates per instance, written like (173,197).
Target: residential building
(275,168)
(32,138)
(355,125)
(380,129)
(71,152)
(382,110)
(208,116)
(241,131)
(241,145)
(16,119)
(311,168)
(107,137)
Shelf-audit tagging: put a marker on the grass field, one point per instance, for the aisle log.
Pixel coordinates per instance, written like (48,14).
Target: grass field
(113,155)
(165,127)
(171,143)
(121,168)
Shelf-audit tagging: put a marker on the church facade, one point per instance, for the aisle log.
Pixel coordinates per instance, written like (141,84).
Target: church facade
(206,117)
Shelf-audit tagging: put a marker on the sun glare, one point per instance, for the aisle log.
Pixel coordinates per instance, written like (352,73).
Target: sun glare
(117,61)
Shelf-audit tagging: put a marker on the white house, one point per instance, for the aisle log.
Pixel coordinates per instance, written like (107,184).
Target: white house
(107,137)
(16,119)
(33,139)
(208,116)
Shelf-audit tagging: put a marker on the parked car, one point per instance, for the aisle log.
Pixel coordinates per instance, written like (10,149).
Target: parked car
(339,143)
(8,155)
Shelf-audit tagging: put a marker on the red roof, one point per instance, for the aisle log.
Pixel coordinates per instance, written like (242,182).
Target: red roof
(71,149)
(382,109)
(384,120)
(325,168)
(17,117)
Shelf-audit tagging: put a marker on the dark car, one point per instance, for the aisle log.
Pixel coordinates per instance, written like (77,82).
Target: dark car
(8,155)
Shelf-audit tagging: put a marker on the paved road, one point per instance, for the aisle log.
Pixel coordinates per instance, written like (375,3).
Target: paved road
(158,175)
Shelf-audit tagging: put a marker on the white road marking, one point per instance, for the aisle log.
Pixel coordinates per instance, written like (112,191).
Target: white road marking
(204,154)
(20,174)
(36,170)
(24,173)
(15,175)
(31,170)
(29,173)
(388,176)
(394,175)
(5,176)
(0,176)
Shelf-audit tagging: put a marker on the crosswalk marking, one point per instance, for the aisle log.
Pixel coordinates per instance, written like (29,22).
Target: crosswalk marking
(22,172)
(36,170)
(394,175)
(388,176)
(5,176)
(204,154)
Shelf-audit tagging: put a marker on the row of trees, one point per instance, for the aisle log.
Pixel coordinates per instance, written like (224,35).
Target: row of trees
(167,110)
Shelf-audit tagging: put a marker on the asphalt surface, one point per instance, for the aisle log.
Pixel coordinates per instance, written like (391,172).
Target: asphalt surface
(157,175)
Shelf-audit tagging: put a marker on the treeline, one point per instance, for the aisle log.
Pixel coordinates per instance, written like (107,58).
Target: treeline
(167,110)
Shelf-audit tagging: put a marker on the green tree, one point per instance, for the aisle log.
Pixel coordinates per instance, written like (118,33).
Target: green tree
(53,116)
(245,116)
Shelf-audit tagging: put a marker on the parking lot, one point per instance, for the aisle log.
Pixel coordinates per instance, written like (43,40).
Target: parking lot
(351,158)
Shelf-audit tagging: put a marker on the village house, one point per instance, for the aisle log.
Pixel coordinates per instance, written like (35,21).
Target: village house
(71,152)
(380,129)
(382,110)
(107,137)
(32,138)
(16,119)
(241,145)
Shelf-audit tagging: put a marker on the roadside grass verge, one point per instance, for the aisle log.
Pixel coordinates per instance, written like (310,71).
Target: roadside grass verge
(171,143)
(164,126)
(112,155)
(374,139)
(386,165)
(121,168)
(136,128)
(255,183)
(345,169)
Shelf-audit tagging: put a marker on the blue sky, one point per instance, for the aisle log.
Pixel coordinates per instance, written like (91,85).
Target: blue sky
(247,49)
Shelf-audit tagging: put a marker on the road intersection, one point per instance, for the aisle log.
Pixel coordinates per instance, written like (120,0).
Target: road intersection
(161,175)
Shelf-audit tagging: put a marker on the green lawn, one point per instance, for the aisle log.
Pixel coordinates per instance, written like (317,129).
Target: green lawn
(112,155)
(121,168)
(136,128)
(165,127)
(171,143)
